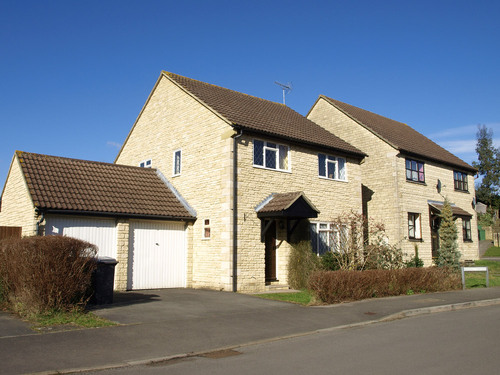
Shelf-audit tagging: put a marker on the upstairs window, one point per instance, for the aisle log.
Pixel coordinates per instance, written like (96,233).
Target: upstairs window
(415,171)
(414,228)
(332,167)
(146,163)
(271,155)
(177,162)
(460,180)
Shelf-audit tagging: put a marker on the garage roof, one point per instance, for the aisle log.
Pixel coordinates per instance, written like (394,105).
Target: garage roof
(58,184)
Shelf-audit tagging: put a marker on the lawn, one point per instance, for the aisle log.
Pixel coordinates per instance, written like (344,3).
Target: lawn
(478,279)
(304,297)
(493,251)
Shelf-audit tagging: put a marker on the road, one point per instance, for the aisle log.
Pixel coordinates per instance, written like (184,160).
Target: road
(455,342)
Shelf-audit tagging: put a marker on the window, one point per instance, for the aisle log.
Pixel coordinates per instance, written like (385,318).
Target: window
(146,163)
(332,167)
(177,162)
(460,180)
(206,228)
(271,155)
(326,237)
(415,171)
(466,229)
(414,229)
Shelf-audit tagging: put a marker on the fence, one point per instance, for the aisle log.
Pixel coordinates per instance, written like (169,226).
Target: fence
(8,232)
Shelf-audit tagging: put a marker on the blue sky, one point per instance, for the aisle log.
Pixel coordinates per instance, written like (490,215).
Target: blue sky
(75,74)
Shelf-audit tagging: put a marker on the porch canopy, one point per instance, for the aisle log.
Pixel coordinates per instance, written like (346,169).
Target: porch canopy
(457,211)
(291,206)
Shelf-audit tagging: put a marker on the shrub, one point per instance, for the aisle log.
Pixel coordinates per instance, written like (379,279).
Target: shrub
(342,285)
(329,262)
(301,264)
(359,243)
(415,261)
(41,274)
(448,254)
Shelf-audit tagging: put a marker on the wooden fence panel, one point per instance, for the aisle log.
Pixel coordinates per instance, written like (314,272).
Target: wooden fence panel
(9,232)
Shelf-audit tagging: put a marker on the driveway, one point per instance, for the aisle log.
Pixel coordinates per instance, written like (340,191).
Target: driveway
(159,324)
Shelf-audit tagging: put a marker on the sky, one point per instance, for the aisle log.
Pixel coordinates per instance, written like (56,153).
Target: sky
(74,75)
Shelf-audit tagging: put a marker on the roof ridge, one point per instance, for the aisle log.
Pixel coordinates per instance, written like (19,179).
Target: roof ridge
(170,74)
(366,110)
(20,153)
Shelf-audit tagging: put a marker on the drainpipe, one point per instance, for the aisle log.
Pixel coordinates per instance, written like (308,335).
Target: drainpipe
(235,210)
(37,227)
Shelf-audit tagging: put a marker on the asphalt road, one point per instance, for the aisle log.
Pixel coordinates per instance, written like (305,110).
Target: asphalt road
(454,342)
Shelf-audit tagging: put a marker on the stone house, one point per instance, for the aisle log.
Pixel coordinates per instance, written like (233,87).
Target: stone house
(211,186)
(258,174)
(405,178)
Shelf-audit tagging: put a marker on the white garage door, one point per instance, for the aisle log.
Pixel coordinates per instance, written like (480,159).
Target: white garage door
(100,232)
(157,257)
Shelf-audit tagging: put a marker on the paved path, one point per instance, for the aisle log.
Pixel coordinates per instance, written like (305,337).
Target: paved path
(162,324)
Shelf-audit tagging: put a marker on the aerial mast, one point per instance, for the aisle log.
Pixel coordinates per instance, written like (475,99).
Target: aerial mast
(286,89)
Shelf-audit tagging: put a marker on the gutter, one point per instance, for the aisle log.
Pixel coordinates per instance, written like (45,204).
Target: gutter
(235,209)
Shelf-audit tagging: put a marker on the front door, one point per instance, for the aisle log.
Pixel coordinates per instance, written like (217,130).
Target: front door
(270,257)
(435,222)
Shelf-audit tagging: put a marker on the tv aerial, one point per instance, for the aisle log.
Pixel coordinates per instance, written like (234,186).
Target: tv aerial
(285,87)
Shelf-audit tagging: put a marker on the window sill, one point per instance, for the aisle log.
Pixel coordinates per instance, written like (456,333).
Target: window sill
(468,241)
(461,191)
(415,240)
(271,169)
(332,179)
(416,182)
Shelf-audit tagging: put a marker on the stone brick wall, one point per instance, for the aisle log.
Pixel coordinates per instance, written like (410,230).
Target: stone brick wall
(330,197)
(17,207)
(171,120)
(122,253)
(392,197)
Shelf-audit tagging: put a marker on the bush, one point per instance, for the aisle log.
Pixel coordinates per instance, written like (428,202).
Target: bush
(329,262)
(341,286)
(415,261)
(359,243)
(448,254)
(301,264)
(41,274)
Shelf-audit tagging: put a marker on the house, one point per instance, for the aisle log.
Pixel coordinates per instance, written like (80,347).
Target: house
(132,214)
(405,178)
(258,174)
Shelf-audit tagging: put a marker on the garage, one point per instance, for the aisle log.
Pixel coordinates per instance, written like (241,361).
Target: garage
(98,231)
(157,255)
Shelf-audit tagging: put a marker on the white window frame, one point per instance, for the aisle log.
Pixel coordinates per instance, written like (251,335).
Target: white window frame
(415,222)
(267,146)
(332,238)
(330,159)
(206,225)
(176,172)
(146,163)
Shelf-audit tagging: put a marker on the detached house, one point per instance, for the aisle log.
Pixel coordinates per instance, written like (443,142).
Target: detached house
(258,174)
(405,178)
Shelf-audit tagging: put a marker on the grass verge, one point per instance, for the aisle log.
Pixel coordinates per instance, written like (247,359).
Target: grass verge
(493,251)
(76,318)
(478,279)
(304,297)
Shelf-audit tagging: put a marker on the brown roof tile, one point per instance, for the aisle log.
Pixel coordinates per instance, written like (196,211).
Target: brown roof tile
(263,116)
(401,136)
(282,201)
(455,209)
(57,183)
